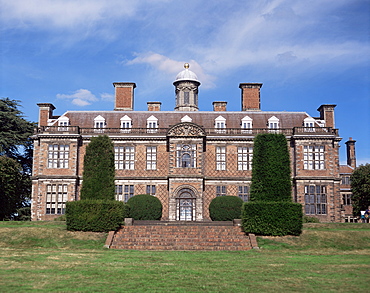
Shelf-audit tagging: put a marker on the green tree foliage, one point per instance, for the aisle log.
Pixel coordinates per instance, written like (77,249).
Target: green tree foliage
(99,170)
(14,188)
(225,208)
(272,218)
(271,210)
(145,207)
(95,215)
(271,179)
(16,144)
(15,131)
(360,185)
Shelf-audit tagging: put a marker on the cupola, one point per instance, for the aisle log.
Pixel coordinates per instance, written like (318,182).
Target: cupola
(186,89)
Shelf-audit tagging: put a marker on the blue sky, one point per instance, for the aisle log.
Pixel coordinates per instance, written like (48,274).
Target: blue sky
(306,53)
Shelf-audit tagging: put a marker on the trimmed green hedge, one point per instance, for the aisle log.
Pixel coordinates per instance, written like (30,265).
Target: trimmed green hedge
(99,171)
(271,179)
(308,219)
(225,208)
(145,207)
(95,215)
(272,218)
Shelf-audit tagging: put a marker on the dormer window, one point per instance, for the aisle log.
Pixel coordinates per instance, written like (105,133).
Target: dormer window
(126,124)
(309,124)
(152,124)
(273,124)
(99,124)
(186,118)
(63,123)
(247,124)
(220,124)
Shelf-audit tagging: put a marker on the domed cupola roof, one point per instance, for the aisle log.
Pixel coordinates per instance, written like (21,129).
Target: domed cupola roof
(187,74)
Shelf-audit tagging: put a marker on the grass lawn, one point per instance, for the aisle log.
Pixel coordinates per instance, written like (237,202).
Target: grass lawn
(44,257)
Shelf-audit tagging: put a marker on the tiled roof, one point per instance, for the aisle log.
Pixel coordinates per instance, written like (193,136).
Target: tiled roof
(345,169)
(85,119)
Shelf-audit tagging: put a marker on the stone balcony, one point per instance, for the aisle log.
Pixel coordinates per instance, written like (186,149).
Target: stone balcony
(295,131)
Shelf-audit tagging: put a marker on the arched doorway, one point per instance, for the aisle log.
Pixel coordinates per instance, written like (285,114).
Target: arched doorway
(185,205)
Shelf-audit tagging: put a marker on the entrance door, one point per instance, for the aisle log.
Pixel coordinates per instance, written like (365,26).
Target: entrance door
(185,205)
(186,209)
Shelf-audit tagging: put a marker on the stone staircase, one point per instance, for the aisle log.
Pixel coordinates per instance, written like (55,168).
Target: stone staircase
(161,235)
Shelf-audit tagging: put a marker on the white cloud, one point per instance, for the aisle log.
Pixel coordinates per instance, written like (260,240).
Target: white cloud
(173,67)
(81,97)
(107,97)
(64,13)
(216,37)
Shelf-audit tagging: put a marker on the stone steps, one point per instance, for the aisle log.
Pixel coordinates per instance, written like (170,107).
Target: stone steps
(179,237)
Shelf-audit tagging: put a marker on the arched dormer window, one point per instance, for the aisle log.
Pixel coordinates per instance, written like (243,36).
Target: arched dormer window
(126,124)
(63,123)
(220,124)
(273,124)
(99,123)
(247,124)
(152,124)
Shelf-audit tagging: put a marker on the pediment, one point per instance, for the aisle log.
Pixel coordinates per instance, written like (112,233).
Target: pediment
(186,129)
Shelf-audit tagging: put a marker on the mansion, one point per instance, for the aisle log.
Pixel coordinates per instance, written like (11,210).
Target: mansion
(187,157)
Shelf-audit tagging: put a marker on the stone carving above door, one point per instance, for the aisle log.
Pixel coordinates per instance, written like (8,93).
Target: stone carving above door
(186,129)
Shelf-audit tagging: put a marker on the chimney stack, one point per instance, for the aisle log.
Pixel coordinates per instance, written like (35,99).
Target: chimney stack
(251,100)
(124,96)
(327,114)
(154,106)
(219,106)
(45,113)
(351,153)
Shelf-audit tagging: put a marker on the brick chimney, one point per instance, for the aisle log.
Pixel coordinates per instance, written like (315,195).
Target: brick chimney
(327,114)
(219,106)
(154,106)
(45,113)
(124,97)
(351,153)
(251,100)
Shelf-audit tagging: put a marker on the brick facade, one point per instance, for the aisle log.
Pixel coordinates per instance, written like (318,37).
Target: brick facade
(186,158)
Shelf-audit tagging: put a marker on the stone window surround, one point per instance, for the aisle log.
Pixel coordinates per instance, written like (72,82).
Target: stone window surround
(58,156)
(151,158)
(220,158)
(56,197)
(314,157)
(315,199)
(124,191)
(124,157)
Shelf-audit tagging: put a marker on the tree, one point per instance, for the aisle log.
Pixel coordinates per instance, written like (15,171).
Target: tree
(99,170)
(225,208)
(360,185)
(271,210)
(16,151)
(14,188)
(15,131)
(97,210)
(271,174)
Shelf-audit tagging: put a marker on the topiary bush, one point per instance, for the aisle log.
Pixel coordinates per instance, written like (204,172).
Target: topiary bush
(99,170)
(272,218)
(61,218)
(95,215)
(145,207)
(225,208)
(271,179)
(308,219)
